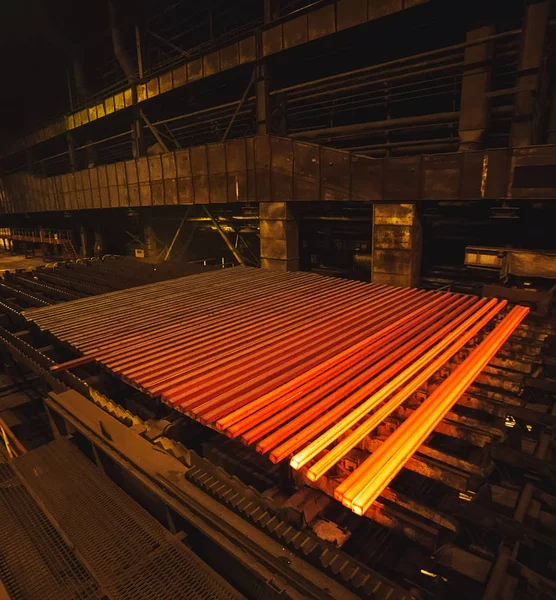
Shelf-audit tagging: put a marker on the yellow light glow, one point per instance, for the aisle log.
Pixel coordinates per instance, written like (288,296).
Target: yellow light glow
(428,573)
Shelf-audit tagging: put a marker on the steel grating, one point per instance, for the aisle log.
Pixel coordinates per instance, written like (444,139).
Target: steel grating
(169,573)
(289,362)
(35,562)
(127,550)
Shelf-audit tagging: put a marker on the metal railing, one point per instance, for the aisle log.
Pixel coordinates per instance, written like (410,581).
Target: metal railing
(46,236)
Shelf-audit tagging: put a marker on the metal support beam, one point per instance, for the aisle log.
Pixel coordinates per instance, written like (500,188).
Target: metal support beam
(241,103)
(222,233)
(137,137)
(118,45)
(185,247)
(176,235)
(261,74)
(99,244)
(168,43)
(154,131)
(83,239)
(271,10)
(263,101)
(500,566)
(475,84)
(71,151)
(139,51)
(528,111)
(150,242)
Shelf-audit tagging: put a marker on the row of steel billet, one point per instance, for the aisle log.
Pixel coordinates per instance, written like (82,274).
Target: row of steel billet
(114,274)
(23,296)
(45,286)
(59,278)
(41,288)
(32,281)
(425,519)
(298,365)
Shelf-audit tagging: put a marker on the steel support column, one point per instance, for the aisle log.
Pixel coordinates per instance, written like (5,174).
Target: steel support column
(475,84)
(396,245)
(137,137)
(99,244)
(261,74)
(279,236)
(83,240)
(71,151)
(529,97)
(151,249)
(261,89)
(551,136)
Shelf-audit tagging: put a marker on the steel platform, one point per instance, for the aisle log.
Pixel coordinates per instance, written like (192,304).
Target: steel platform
(67,531)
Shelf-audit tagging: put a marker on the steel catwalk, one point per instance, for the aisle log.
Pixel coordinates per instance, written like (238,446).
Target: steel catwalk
(299,365)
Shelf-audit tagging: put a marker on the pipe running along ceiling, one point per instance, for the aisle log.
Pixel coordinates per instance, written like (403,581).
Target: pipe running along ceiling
(299,365)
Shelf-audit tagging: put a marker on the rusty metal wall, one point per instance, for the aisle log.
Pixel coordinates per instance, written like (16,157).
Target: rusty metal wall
(267,168)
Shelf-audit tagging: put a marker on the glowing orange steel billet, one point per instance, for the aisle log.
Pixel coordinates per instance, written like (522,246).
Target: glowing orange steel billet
(383,465)
(309,378)
(313,402)
(382,322)
(446,336)
(358,368)
(355,437)
(212,393)
(389,366)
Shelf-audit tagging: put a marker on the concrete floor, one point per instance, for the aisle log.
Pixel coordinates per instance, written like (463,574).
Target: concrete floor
(9,262)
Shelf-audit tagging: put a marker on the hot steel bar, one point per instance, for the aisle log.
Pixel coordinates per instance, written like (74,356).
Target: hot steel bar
(416,359)
(291,362)
(349,442)
(325,412)
(365,484)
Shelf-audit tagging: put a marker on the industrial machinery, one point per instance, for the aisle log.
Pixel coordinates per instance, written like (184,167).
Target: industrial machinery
(394,442)
(291,332)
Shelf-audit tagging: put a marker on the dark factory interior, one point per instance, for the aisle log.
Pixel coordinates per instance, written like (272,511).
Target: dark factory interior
(277,314)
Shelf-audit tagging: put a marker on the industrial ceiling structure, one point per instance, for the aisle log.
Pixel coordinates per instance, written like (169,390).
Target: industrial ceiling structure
(276,311)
